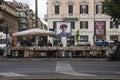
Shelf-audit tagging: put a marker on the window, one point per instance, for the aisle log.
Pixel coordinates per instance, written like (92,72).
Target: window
(84,8)
(84,38)
(56,9)
(84,25)
(113,25)
(99,9)
(70,9)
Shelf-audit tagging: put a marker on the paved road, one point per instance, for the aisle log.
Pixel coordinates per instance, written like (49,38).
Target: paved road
(59,68)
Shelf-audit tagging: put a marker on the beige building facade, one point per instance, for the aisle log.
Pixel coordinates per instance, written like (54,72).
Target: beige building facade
(85,16)
(9,14)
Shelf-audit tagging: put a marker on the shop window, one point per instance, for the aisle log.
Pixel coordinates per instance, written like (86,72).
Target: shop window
(113,37)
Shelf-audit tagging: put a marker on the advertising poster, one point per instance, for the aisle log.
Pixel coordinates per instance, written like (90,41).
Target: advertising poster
(100,28)
(63,29)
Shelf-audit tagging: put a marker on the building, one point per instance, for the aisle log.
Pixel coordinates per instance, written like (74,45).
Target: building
(31,18)
(9,14)
(26,16)
(22,14)
(85,16)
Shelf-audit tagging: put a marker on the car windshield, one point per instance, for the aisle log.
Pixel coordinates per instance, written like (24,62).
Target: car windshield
(2,41)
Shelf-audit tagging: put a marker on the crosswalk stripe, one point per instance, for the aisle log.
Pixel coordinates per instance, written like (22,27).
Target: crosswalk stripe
(65,68)
(11,74)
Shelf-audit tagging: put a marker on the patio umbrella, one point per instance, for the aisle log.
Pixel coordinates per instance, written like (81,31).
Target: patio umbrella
(34,32)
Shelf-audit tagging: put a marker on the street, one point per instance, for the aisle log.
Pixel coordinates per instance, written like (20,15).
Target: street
(59,68)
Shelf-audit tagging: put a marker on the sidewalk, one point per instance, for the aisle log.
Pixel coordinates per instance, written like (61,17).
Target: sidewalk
(53,59)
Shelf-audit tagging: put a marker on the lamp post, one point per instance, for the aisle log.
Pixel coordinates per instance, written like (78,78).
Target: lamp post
(36,21)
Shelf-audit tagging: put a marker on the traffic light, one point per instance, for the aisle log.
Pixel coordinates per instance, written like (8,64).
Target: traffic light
(1,2)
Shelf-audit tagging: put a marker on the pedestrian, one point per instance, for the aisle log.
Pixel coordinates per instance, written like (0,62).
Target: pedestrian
(40,43)
(49,43)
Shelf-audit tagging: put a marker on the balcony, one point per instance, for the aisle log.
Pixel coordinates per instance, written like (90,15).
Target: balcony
(62,16)
(70,17)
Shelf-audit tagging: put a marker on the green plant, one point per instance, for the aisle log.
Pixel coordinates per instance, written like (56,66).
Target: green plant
(77,35)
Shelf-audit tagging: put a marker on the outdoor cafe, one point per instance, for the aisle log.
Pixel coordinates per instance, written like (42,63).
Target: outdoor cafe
(51,51)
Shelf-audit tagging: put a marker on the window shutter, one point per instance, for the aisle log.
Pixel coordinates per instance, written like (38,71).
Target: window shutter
(81,9)
(111,24)
(73,25)
(81,25)
(96,9)
(86,9)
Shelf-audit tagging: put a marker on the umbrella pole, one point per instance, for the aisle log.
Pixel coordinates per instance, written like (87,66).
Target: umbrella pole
(36,40)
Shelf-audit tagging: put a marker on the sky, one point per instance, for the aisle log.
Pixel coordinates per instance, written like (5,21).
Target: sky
(41,7)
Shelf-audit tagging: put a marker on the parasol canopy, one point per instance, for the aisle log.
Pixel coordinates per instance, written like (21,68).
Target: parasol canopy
(34,32)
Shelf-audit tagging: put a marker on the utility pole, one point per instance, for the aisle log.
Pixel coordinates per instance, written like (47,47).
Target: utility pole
(36,20)
(94,35)
(6,32)
(36,14)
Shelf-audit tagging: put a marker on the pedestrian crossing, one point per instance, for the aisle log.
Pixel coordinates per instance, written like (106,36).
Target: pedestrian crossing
(12,74)
(65,68)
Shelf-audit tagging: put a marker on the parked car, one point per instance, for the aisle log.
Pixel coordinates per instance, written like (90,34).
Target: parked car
(114,52)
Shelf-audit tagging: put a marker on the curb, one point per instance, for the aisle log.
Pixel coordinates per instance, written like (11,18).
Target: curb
(63,78)
(53,59)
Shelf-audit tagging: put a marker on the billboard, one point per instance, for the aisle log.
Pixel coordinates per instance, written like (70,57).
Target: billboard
(100,28)
(63,29)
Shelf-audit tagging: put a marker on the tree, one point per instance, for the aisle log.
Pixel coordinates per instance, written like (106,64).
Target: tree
(112,8)
(77,36)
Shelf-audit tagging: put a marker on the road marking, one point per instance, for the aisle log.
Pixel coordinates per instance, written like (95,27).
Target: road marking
(12,74)
(65,68)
